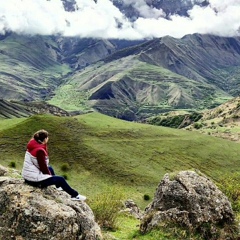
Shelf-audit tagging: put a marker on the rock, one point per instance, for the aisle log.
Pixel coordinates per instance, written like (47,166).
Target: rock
(31,213)
(191,201)
(132,209)
(3,170)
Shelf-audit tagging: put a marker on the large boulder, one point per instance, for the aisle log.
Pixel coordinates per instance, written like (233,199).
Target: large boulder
(31,213)
(192,201)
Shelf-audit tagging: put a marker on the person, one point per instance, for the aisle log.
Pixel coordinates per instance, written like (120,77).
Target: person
(36,169)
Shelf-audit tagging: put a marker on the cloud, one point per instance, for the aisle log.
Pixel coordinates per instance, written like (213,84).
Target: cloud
(103,20)
(144,10)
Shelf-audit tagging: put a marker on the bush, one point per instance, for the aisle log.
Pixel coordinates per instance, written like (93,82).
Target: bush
(197,125)
(65,176)
(65,167)
(106,207)
(146,197)
(12,164)
(230,185)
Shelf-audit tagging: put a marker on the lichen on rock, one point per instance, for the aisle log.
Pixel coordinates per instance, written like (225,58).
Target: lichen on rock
(189,200)
(32,213)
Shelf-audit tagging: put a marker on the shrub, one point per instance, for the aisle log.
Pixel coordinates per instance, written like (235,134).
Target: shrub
(230,185)
(65,167)
(106,207)
(65,176)
(12,164)
(146,197)
(195,116)
(197,125)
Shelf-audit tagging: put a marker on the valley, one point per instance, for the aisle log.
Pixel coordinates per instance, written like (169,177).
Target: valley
(195,73)
(128,91)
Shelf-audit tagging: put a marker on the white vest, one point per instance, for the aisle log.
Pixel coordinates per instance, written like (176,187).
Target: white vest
(31,170)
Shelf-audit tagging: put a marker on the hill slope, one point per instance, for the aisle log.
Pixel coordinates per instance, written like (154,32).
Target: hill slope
(103,151)
(11,109)
(196,72)
(29,68)
(33,66)
(222,121)
(129,82)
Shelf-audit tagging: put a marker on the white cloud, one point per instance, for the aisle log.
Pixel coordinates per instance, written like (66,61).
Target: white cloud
(104,20)
(145,10)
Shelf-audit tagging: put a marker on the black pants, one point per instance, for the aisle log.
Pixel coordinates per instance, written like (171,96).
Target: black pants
(58,181)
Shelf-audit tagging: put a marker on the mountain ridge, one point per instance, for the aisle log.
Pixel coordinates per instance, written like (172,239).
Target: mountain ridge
(131,81)
(195,72)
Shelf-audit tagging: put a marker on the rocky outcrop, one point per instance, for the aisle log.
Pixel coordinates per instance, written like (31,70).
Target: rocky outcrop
(3,170)
(132,209)
(29,213)
(192,201)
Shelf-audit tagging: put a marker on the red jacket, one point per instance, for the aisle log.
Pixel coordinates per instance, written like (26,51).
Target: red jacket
(39,151)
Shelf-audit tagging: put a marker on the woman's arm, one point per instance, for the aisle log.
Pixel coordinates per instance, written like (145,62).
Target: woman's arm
(42,162)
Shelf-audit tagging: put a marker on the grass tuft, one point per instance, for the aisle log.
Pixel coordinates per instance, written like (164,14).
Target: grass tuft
(106,207)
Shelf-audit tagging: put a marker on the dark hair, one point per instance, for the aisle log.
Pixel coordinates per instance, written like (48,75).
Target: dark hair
(40,135)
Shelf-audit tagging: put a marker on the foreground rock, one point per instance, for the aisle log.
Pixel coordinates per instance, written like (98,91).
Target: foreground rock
(193,202)
(3,170)
(29,213)
(132,209)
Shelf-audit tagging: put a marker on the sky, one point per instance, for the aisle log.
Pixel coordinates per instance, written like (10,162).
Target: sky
(102,19)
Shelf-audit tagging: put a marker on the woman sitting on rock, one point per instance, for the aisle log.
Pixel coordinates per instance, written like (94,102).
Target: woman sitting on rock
(36,170)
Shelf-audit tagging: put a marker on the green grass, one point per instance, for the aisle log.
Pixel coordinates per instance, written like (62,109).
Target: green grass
(104,149)
(105,152)
(8,123)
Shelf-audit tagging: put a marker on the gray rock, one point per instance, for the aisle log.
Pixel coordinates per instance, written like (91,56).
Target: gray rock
(31,213)
(132,209)
(3,170)
(189,200)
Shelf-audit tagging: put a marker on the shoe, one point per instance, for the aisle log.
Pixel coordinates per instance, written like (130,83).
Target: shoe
(59,189)
(79,198)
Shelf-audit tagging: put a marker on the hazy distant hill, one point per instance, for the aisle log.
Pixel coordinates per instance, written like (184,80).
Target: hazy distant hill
(29,68)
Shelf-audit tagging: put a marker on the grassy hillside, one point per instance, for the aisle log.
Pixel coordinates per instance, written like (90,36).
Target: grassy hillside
(222,121)
(105,153)
(14,109)
(103,150)
(29,68)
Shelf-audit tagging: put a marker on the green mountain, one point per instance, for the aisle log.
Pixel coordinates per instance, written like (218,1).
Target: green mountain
(33,66)
(99,155)
(14,109)
(29,68)
(127,80)
(196,72)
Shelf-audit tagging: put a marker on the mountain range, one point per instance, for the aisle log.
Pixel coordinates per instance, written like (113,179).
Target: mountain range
(131,80)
